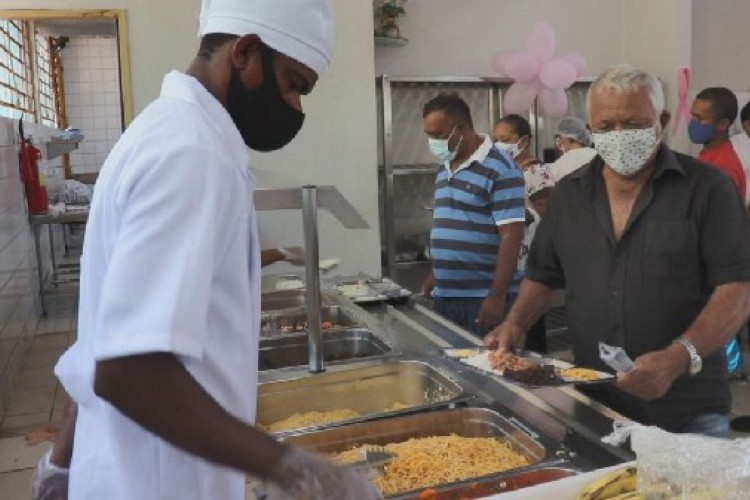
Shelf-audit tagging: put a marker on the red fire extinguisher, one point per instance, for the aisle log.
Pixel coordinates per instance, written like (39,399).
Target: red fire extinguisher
(36,193)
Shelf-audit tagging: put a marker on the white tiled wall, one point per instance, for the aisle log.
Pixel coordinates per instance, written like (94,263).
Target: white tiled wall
(92,98)
(18,291)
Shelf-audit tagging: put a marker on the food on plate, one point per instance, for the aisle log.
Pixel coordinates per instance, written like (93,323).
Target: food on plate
(309,419)
(502,360)
(462,353)
(430,461)
(535,375)
(582,374)
(354,290)
(612,485)
(290,325)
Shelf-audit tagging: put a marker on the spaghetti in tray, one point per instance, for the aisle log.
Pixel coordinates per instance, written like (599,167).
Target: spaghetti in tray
(431,461)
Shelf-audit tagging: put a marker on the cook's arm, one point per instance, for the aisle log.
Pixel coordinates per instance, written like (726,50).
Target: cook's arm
(157,392)
(655,372)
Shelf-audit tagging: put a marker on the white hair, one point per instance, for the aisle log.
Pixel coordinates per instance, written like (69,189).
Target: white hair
(626,78)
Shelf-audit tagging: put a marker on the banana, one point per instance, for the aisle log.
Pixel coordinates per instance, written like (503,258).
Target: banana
(615,483)
(632,495)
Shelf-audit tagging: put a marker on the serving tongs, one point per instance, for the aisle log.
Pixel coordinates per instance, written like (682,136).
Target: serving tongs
(373,457)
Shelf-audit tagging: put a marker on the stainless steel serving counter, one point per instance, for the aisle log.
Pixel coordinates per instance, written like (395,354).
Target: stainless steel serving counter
(567,424)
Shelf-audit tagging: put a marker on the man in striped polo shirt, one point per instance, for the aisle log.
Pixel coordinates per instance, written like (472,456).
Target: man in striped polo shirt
(478,220)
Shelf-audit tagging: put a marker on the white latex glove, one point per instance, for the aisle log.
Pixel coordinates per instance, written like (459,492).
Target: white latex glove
(305,476)
(293,255)
(50,482)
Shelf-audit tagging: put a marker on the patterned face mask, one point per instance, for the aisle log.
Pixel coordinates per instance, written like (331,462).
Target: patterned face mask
(626,151)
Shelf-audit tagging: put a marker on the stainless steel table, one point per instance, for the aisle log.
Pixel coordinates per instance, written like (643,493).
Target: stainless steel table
(56,284)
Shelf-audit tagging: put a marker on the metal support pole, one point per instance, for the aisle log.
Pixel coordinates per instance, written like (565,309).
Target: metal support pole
(312,278)
(39,267)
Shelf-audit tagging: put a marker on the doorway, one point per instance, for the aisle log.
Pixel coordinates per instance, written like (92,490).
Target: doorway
(86,77)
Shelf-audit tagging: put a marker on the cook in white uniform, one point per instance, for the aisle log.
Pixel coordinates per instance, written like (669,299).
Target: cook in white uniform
(165,367)
(574,141)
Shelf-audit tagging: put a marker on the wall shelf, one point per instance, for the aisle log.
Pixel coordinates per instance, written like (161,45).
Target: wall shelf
(54,147)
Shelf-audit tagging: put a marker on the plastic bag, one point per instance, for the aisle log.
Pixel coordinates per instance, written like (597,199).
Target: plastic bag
(73,192)
(687,466)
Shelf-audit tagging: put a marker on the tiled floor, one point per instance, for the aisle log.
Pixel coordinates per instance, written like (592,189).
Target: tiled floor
(38,400)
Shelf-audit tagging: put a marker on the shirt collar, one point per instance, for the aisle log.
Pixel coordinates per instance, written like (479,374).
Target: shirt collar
(181,86)
(479,155)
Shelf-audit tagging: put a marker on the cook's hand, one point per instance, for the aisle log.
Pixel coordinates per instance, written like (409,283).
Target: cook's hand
(506,336)
(490,312)
(428,285)
(50,482)
(293,255)
(305,476)
(654,372)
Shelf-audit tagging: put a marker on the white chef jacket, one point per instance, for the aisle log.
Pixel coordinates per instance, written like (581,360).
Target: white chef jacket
(741,145)
(170,264)
(571,161)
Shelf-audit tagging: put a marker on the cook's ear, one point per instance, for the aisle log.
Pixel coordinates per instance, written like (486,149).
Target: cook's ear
(245,57)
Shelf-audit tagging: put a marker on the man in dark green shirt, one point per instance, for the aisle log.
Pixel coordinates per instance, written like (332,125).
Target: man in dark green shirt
(653,251)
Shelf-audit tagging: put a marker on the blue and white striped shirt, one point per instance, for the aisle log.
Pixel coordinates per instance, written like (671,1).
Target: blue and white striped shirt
(485,192)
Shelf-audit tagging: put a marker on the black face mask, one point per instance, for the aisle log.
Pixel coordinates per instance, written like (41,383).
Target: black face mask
(263,117)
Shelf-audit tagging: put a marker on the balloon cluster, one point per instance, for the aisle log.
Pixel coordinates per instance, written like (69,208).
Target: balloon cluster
(538,74)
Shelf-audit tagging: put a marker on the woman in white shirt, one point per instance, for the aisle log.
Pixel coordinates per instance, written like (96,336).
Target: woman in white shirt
(574,140)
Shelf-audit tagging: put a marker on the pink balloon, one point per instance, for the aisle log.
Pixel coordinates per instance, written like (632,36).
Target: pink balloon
(520,97)
(541,42)
(577,60)
(553,103)
(557,74)
(498,61)
(521,67)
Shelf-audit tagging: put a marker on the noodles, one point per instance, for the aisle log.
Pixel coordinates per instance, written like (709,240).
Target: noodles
(424,462)
(309,419)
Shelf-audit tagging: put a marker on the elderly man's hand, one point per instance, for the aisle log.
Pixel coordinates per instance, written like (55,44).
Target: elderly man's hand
(506,336)
(654,373)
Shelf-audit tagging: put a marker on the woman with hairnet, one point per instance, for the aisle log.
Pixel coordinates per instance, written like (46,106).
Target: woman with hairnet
(574,141)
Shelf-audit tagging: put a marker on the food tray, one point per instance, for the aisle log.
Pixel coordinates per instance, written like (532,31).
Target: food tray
(346,344)
(370,391)
(479,359)
(494,486)
(465,422)
(371,290)
(294,321)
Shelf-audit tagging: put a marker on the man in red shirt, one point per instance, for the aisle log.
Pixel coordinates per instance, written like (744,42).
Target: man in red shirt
(714,110)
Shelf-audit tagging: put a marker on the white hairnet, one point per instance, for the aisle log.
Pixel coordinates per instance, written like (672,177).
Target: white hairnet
(573,128)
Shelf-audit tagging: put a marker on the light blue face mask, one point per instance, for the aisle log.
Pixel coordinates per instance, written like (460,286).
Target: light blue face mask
(439,148)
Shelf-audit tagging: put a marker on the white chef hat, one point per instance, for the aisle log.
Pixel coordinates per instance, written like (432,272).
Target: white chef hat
(301,29)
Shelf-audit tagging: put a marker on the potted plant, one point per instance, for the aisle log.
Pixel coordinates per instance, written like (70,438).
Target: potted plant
(389,11)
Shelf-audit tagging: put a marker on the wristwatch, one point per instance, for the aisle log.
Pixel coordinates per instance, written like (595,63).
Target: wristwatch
(696,363)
